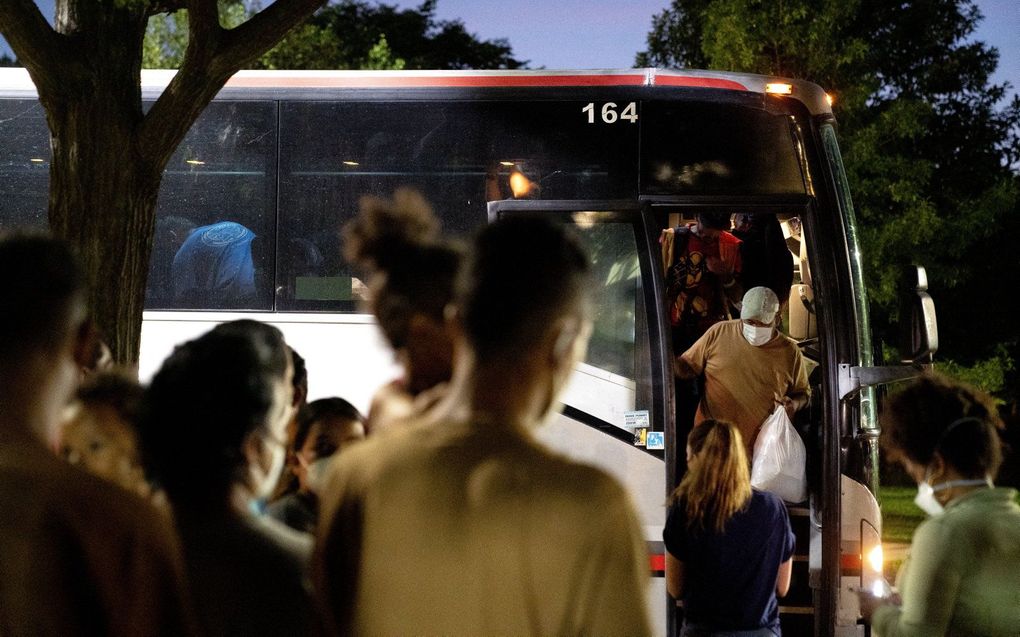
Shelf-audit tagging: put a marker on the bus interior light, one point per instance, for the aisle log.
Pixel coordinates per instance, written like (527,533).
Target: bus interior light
(37,160)
(586,219)
(507,163)
(194,162)
(351,163)
(779,88)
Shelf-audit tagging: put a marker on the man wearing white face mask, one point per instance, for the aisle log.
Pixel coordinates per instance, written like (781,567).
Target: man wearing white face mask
(749,367)
(963,573)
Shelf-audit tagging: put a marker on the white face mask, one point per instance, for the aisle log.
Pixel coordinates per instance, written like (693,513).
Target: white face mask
(757,336)
(265,482)
(317,473)
(925,498)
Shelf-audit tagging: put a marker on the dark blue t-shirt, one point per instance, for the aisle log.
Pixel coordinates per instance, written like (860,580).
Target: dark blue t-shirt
(730,577)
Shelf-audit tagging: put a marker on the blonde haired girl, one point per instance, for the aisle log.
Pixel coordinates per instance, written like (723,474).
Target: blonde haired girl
(729,547)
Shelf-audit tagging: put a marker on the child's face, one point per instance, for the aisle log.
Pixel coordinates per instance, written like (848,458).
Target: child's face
(95,438)
(325,438)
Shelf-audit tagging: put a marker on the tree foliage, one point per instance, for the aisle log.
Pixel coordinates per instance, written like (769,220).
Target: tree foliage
(354,28)
(354,34)
(930,144)
(166,35)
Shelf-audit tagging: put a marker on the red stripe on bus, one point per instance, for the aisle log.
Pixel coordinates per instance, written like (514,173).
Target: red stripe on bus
(850,562)
(698,82)
(657,562)
(455,81)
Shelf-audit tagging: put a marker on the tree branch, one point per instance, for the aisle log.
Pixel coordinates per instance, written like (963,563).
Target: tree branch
(213,55)
(165,6)
(42,50)
(262,31)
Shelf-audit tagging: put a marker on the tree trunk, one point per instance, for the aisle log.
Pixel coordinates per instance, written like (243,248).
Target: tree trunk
(107,210)
(102,190)
(108,157)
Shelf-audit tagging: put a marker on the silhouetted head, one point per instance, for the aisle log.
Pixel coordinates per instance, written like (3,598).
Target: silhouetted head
(43,331)
(525,278)
(44,296)
(215,414)
(937,420)
(411,278)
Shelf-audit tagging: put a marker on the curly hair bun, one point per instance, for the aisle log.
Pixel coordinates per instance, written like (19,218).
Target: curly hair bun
(386,229)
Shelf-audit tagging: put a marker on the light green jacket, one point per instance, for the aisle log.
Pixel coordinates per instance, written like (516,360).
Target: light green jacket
(962,578)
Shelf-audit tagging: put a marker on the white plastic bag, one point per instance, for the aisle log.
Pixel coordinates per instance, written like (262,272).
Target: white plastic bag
(779,459)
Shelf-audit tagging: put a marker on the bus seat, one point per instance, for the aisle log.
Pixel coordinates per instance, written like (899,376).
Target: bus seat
(803,322)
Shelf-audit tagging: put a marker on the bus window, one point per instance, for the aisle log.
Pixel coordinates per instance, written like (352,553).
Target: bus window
(458,154)
(216,217)
(617,298)
(719,149)
(24,164)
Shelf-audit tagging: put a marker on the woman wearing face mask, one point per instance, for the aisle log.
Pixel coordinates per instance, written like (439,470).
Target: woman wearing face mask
(212,430)
(963,573)
(749,367)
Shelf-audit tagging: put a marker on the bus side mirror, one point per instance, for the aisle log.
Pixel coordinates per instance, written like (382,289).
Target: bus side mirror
(919,330)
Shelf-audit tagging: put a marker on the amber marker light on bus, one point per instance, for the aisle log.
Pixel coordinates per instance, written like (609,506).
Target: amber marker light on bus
(779,88)
(519,184)
(830,99)
(876,559)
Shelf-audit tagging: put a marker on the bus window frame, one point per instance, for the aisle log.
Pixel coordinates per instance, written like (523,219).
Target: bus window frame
(646,236)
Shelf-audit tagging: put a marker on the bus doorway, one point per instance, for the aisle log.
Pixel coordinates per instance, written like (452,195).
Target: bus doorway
(622,411)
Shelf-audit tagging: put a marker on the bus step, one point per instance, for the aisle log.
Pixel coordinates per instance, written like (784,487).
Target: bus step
(797,621)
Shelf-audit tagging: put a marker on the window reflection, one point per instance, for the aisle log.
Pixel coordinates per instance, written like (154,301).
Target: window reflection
(617,294)
(215,234)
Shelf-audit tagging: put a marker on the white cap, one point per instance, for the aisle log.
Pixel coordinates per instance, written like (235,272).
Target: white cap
(759,303)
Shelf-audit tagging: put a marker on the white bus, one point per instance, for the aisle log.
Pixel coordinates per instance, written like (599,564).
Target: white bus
(621,155)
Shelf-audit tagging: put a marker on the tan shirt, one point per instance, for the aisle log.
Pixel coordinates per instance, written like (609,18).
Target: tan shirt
(461,529)
(79,556)
(741,379)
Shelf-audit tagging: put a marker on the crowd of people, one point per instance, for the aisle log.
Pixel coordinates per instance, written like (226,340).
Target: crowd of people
(217,500)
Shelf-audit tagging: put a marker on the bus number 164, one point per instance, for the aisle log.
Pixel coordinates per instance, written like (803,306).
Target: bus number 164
(609,113)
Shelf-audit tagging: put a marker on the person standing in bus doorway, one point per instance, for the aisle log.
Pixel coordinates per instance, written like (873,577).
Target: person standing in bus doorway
(702,266)
(749,366)
(78,555)
(411,273)
(729,547)
(962,576)
(764,255)
(468,525)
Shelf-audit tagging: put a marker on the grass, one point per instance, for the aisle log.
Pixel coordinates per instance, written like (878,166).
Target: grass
(900,516)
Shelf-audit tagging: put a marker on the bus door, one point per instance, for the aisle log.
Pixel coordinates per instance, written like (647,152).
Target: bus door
(618,407)
(775,254)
